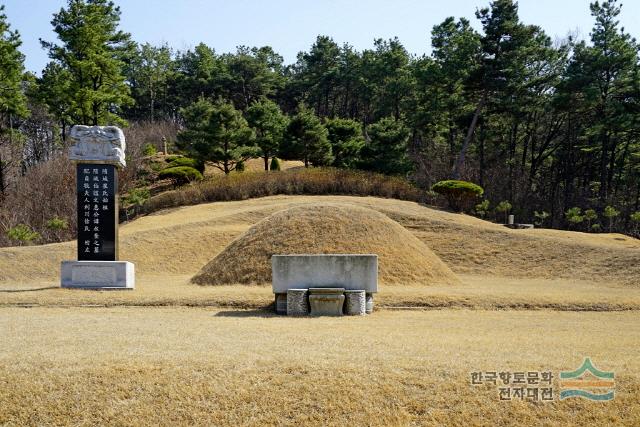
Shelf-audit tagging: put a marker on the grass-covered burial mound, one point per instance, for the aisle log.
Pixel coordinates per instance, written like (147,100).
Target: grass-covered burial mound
(323,229)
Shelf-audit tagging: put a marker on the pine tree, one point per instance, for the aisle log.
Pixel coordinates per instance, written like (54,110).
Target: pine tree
(92,50)
(217,132)
(150,72)
(345,137)
(386,149)
(512,59)
(54,90)
(199,74)
(251,73)
(306,139)
(441,105)
(602,85)
(268,123)
(12,99)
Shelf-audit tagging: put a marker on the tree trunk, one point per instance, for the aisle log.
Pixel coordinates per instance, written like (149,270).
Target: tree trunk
(455,174)
(452,141)
(604,160)
(482,165)
(64,131)
(153,102)
(266,163)
(513,141)
(226,158)
(2,187)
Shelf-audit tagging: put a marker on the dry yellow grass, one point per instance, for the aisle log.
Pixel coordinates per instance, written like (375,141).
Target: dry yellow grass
(168,366)
(256,165)
(125,361)
(326,228)
(499,268)
(183,240)
(477,292)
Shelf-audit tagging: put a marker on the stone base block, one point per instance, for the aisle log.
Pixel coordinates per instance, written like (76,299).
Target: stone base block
(355,303)
(369,303)
(297,304)
(281,303)
(98,275)
(326,304)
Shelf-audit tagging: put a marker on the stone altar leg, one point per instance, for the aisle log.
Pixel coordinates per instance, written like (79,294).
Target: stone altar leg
(281,303)
(369,305)
(297,304)
(355,303)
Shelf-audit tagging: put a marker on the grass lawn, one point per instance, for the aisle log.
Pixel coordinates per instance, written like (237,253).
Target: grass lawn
(175,353)
(149,366)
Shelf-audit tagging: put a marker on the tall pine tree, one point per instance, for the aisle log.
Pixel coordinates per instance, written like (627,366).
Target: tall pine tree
(217,132)
(268,123)
(92,50)
(12,98)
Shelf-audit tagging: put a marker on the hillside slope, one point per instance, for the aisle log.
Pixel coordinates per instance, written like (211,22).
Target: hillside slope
(183,240)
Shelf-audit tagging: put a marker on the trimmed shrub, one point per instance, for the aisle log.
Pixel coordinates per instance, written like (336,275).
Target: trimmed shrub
(459,194)
(180,174)
(188,162)
(275,164)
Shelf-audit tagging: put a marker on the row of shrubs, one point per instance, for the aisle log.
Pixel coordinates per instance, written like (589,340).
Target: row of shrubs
(461,195)
(183,170)
(314,181)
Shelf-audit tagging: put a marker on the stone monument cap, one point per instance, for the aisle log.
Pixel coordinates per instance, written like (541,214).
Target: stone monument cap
(97,144)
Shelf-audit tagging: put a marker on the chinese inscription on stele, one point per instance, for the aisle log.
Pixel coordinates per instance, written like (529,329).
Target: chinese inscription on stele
(97,212)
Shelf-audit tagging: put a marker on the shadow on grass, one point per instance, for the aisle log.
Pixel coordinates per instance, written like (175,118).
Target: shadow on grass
(28,290)
(262,312)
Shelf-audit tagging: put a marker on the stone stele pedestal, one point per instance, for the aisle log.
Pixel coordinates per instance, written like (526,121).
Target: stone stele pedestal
(98,152)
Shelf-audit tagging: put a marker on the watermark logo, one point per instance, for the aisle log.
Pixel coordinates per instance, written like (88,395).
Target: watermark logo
(588,382)
(517,385)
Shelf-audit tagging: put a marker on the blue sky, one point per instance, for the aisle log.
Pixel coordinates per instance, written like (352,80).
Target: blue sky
(290,26)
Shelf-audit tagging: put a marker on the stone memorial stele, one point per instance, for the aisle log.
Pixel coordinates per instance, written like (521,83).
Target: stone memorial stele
(98,152)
